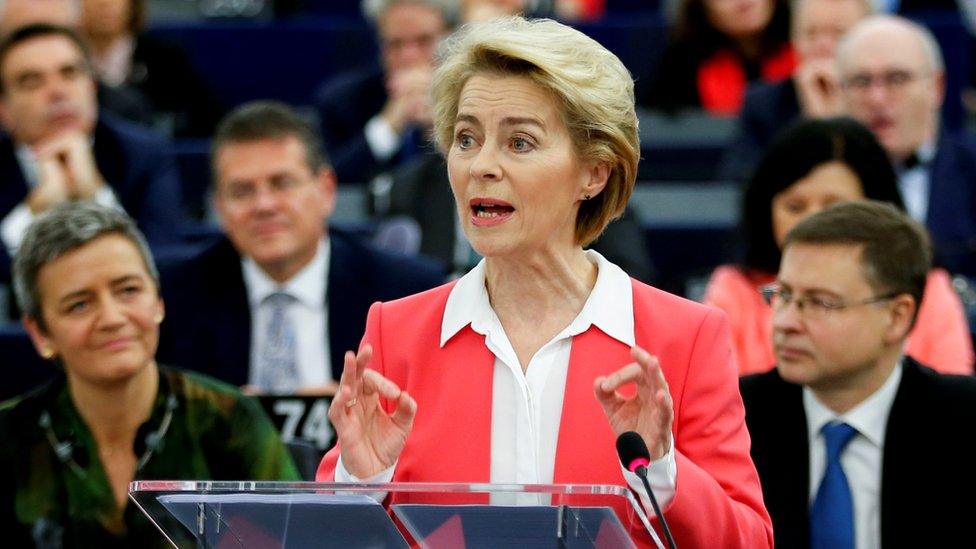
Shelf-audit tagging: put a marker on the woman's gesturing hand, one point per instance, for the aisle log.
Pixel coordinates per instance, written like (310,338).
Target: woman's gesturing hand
(370,438)
(650,412)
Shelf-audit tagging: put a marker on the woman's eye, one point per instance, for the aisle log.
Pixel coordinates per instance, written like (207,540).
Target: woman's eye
(76,307)
(465,141)
(796,207)
(820,303)
(521,144)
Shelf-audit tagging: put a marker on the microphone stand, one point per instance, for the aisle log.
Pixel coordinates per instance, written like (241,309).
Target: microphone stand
(641,472)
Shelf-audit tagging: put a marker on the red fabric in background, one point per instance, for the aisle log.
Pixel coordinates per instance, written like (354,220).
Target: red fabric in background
(722,78)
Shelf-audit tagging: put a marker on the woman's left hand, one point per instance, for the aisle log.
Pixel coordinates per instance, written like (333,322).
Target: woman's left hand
(650,412)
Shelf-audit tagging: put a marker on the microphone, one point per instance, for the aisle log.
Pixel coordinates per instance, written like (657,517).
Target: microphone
(635,457)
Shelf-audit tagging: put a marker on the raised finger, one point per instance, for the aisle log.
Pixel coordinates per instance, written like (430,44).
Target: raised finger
(341,407)
(374,382)
(629,373)
(406,409)
(609,400)
(362,359)
(653,378)
(348,381)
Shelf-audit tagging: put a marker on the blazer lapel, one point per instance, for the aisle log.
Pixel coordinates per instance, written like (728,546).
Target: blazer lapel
(786,486)
(13,185)
(232,316)
(346,302)
(899,459)
(453,390)
(586,449)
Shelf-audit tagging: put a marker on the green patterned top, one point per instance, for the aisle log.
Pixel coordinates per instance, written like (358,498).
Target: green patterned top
(213,433)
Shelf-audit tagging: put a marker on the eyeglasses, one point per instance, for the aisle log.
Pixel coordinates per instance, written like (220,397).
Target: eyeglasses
(812,306)
(893,80)
(246,193)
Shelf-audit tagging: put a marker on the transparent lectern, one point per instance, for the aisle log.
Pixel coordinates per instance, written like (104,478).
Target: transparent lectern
(204,514)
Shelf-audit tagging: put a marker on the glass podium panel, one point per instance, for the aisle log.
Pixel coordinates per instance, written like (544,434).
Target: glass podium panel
(221,515)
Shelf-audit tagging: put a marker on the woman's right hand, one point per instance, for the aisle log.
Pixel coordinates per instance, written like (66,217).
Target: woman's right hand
(370,439)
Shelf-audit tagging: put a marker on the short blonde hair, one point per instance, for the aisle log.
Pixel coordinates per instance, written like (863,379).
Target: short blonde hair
(594,91)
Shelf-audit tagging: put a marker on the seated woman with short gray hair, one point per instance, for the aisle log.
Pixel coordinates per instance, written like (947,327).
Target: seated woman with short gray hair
(89,290)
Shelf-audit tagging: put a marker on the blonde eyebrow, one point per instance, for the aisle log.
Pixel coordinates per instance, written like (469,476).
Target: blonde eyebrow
(507,121)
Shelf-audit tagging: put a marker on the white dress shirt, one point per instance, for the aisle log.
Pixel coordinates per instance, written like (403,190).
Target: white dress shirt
(15,224)
(527,407)
(862,459)
(308,314)
(382,140)
(915,184)
(114,67)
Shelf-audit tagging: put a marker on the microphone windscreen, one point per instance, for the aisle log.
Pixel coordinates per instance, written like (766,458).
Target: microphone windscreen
(632,451)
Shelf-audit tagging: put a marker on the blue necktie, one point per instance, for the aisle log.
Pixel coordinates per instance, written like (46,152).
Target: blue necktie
(278,371)
(832,513)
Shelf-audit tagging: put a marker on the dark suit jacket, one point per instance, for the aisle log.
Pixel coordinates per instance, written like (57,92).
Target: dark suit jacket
(421,190)
(135,162)
(767,109)
(345,104)
(927,464)
(177,92)
(951,217)
(208,321)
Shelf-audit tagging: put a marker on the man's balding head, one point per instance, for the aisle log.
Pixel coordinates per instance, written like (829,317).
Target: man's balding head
(894,81)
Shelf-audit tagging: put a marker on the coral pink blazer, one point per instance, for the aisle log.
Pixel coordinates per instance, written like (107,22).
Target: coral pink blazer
(718,502)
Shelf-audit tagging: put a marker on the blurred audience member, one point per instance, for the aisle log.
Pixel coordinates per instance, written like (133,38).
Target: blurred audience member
(373,118)
(419,208)
(58,147)
(123,102)
(579,10)
(838,428)
(893,80)
(277,303)
(716,48)
(814,164)
(814,90)
(483,10)
(18,13)
(565,10)
(181,101)
(90,295)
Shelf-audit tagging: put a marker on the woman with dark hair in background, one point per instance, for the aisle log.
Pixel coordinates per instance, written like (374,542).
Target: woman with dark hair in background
(182,101)
(716,48)
(811,165)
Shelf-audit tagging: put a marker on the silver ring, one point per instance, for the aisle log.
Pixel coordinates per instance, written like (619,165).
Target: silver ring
(352,403)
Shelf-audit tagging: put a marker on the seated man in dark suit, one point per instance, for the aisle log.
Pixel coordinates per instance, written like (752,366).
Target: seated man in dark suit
(277,303)
(373,118)
(894,82)
(856,444)
(813,91)
(58,147)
